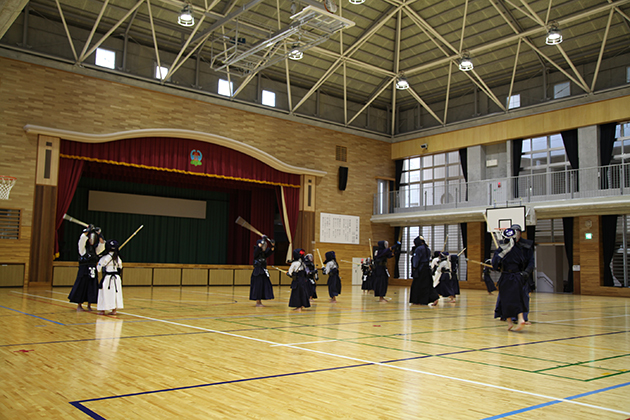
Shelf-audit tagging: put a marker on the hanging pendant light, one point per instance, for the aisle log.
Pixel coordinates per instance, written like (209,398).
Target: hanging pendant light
(185,16)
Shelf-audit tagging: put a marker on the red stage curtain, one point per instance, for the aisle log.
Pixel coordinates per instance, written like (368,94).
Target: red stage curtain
(69,174)
(263,210)
(190,157)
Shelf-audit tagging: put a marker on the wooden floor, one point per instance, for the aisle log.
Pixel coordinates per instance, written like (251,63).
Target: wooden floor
(208,353)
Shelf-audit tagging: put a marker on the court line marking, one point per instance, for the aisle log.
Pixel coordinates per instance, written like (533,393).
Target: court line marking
(307,342)
(383,364)
(34,316)
(355,359)
(547,404)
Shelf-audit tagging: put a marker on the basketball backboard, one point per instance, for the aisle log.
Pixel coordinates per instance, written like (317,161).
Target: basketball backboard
(503,217)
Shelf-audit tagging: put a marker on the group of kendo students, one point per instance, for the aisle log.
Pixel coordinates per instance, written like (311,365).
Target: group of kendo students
(434,275)
(97,255)
(304,274)
(513,258)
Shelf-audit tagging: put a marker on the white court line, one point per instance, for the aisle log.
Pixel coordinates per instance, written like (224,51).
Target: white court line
(582,319)
(308,342)
(354,359)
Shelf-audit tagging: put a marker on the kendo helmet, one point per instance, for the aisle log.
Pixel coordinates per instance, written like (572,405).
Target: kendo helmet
(111,245)
(330,255)
(512,231)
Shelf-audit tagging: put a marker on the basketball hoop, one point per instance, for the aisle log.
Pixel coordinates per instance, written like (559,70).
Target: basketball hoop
(6,183)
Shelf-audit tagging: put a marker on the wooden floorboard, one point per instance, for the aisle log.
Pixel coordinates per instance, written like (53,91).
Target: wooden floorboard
(208,353)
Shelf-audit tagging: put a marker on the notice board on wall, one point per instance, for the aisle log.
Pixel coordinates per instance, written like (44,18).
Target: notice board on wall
(339,228)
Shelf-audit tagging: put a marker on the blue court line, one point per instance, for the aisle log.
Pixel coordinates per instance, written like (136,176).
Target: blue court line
(34,316)
(547,404)
(94,415)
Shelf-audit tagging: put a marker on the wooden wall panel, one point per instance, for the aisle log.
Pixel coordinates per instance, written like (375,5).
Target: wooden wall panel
(64,276)
(11,275)
(616,109)
(167,276)
(42,244)
(195,276)
(242,277)
(475,252)
(137,276)
(221,277)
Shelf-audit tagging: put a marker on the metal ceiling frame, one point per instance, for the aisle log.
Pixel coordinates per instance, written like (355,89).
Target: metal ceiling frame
(398,9)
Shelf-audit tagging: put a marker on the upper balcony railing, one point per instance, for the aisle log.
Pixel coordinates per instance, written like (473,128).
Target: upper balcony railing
(603,181)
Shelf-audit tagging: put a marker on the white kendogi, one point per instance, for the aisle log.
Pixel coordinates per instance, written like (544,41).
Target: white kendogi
(110,296)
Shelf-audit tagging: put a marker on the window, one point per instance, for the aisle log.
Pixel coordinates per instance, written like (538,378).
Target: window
(515,101)
(545,167)
(161,72)
(627,74)
(561,90)
(617,175)
(105,58)
(382,197)
(268,98)
(431,180)
(438,238)
(225,87)
(341,153)
(10,223)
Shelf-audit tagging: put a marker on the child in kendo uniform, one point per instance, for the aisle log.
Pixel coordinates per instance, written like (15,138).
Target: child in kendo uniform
(299,288)
(334,281)
(110,296)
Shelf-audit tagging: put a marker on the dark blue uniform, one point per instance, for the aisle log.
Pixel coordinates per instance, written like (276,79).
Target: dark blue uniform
(422,291)
(516,268)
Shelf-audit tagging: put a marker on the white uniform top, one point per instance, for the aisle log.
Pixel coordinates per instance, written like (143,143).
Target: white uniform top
(330,266)
(295,267)
(83,241)
(110,295)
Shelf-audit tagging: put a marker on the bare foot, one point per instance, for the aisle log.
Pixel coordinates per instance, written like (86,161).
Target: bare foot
(519,326)
(298,309)
(101,312)
(510,324)
(528,323)
(382,300)
(80,308)
(89,308)
(434,303)
(113,312)
(333,301)
(260,305)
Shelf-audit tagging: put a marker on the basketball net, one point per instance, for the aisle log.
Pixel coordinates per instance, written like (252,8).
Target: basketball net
(6,183)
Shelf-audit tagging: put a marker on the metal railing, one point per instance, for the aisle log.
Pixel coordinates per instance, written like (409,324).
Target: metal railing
(602,181)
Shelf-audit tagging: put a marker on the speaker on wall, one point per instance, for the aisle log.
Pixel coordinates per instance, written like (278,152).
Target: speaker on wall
(343,178)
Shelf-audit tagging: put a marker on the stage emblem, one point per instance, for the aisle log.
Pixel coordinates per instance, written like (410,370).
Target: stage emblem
(195,157)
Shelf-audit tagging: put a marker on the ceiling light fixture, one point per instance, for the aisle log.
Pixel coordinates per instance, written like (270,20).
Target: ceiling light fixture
(357,1)
(295,53)
(402,83)
(185,16)
(465,64)
(554,36)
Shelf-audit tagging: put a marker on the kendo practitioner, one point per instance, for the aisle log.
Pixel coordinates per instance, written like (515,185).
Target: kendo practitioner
(299,290)
(334,281)
(312,275)
(515,259)
(260,285)
(366,278)
(443,277)
(110,296)
(85,289)
(487,278)
(422,290)
(380,275)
